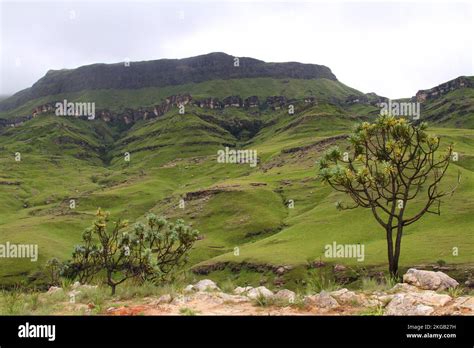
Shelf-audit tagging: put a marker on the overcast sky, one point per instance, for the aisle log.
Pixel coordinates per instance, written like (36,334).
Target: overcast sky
(391,48)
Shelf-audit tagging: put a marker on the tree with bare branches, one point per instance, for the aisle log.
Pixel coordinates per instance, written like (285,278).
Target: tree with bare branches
(393,168)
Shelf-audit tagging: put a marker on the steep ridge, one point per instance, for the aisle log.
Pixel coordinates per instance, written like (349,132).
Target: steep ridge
(161,73)
(451,104)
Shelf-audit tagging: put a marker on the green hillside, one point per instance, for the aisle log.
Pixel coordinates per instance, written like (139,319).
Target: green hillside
(455,109)
(120,99)
(233,205)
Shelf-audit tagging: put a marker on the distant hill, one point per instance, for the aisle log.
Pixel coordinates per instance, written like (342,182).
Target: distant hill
(450,104)
(162,73)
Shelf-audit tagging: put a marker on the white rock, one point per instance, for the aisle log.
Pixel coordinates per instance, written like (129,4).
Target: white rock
(423,310)
(280,270)
(381,300)
(179,300)
(261,291)
(285,295)
(404,287)
(189,288)
(205,285)
(321,300)
(464,302)
(76,285)
(240,290)
(344,296)
(405,304)
(429,280)
(164,299)
(431,298)
(207,297)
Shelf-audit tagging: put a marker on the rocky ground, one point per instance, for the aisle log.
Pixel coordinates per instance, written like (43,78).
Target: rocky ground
(421,293)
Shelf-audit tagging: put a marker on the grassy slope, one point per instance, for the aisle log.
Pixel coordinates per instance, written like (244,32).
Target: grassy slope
(455,109)
(175,155)
(117,100)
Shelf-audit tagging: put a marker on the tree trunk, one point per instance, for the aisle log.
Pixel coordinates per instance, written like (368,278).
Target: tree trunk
(111,282)
(392,265)
(398,244)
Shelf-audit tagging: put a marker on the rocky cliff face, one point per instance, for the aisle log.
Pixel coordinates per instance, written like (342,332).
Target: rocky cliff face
(438,91)
(368,99)
(160,73)
(129,116)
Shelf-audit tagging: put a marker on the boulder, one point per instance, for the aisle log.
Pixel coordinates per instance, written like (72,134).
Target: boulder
(344,296)
(164,299)
(469,283)
(379,300)
(241,290)
(339,268)
(285,295)
(321,300)
(205,285)
(429,280)
(189,288)
(405,304)
(261,291)
(431,298)
(280,270)
(179,300)
(207,297)
(404,287)
(464,302)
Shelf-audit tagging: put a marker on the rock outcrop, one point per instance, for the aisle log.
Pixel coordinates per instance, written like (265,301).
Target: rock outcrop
(129,116)
(442,89)
(233,100)
(321,300)
(259,292)
(285,295)
(404,304)
(161,73)
(276,102)
(429,280)
(203,285)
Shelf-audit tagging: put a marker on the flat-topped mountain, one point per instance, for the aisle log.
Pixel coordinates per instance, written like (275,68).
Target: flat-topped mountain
(161,73)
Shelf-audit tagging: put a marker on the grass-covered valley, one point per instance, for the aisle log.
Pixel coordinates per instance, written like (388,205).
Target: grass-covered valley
(267,224)
(233,205)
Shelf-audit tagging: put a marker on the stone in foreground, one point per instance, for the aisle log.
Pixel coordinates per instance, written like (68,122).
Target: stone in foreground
(429,280)
(205,285)
(321,300)
(285,296)
(261,291)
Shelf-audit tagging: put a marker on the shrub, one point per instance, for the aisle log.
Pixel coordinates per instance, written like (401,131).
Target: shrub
(149,252)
